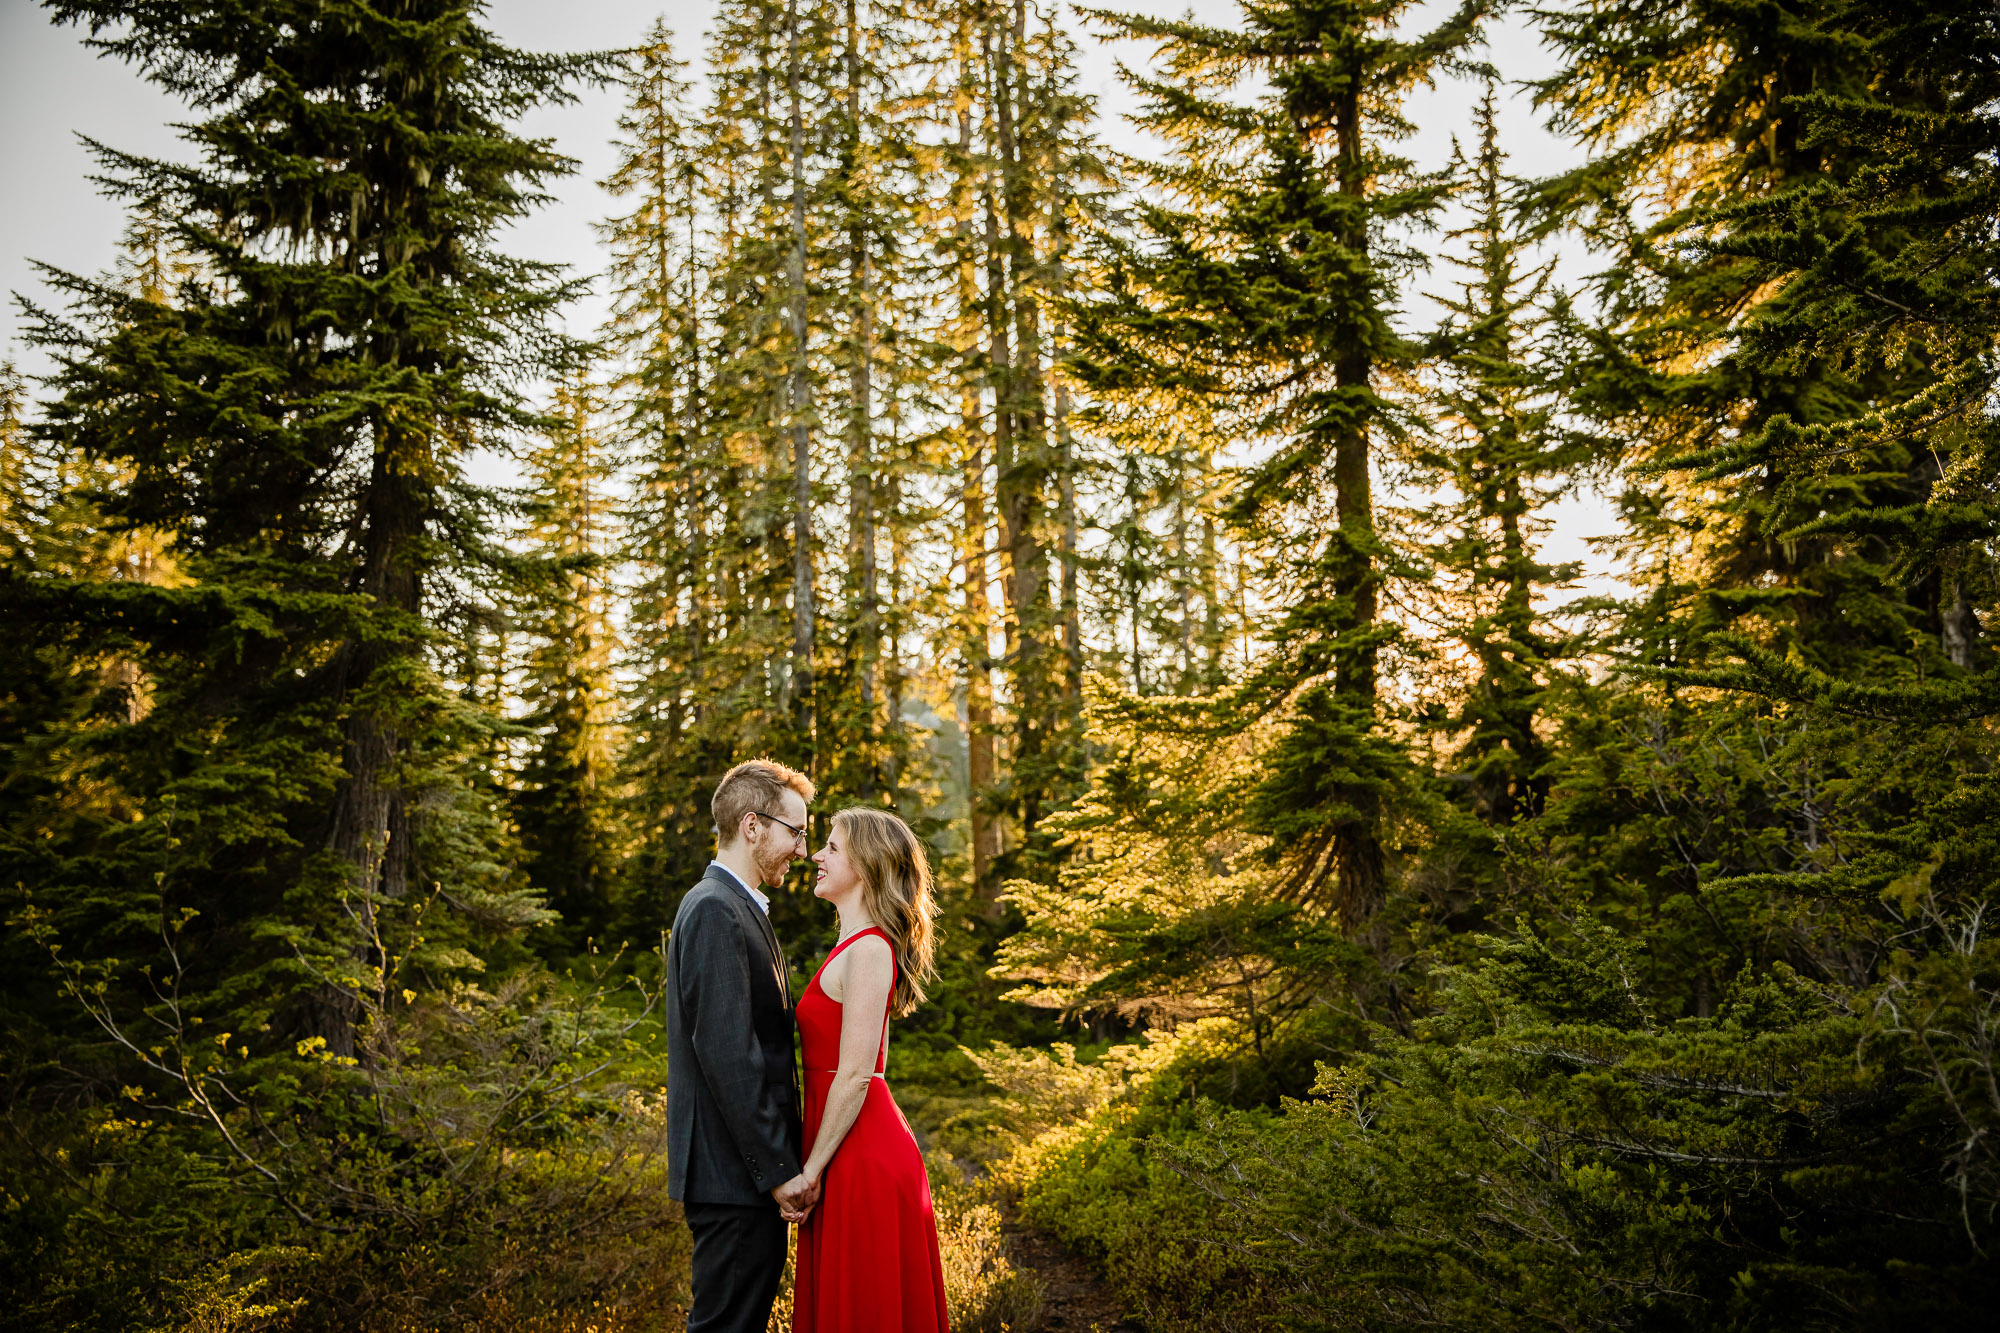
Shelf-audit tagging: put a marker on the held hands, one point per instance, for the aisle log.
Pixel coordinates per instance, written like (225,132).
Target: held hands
(796,1197)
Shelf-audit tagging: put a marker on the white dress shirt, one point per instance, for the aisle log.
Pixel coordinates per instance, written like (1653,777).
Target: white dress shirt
(758,896)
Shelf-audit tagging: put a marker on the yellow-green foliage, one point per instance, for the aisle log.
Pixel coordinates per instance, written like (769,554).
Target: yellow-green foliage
(1154,846)
(222,1298)
(986,1293)
(1050,1099)
(1107,1196)
(1075,1134)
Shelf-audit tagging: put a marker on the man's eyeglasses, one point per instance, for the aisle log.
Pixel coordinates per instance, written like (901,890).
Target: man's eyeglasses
(797,832)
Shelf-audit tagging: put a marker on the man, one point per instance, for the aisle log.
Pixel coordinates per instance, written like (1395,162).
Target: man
(733,1152)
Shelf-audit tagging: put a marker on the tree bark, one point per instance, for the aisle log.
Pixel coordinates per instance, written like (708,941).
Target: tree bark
(696,625)
(1357,844)
(800,682)
(1020,428)
(977,647)
(369,826)
(860,485)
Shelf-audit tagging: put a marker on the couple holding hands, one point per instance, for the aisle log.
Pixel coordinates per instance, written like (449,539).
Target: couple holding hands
(743,1160)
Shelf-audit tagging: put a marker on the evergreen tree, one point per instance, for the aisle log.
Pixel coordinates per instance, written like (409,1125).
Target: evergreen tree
(1691,110)
(1265,276)
(764,370)
(1017,171)
(961,259)
(1892,265)
(1498,450)
(261,868)
(676,510)
(1729,538)
(1727,1067)
(298,433)
(876,194)
(565,807)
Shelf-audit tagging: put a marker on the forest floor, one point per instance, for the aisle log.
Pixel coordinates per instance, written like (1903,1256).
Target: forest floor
(1075,1301)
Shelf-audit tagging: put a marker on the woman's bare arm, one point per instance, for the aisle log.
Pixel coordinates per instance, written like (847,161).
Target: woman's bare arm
(869,973)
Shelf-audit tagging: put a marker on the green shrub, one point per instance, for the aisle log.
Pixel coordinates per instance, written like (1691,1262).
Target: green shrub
(1076,1140)
(1545,1154)
(1114,1198)
(486,1165)
(986,1293)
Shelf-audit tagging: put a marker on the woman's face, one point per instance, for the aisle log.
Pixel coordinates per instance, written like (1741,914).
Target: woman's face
(837,880)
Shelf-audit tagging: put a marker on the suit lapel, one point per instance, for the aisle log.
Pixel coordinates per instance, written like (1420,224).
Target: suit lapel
(778,966)
(777,952)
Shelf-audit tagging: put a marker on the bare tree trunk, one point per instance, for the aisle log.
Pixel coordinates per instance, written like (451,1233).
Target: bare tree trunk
(892,683)
(1000,372)
(1213,647)
(1184,589)
(697,511)
(1357,845)
(1957,622)
(972,540)
(860,484)
(1072,614)
(1066,463)
(1020,443)
(800,684)
(1134,587)
(1517,619)
(369,828)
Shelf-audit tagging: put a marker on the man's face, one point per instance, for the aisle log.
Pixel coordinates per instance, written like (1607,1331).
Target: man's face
(775,847)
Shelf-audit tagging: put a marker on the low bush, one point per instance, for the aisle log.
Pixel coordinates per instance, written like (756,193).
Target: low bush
(490,1161)
(1544,1153)
(1077,1141)
(986,1293)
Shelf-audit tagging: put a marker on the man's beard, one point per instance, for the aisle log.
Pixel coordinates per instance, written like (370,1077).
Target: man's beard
(771,867)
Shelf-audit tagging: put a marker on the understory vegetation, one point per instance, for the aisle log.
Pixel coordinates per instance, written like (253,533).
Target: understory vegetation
(1354,917)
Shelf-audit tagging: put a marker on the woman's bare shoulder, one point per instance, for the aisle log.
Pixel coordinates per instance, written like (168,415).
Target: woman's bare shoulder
(870,956)
(876,946)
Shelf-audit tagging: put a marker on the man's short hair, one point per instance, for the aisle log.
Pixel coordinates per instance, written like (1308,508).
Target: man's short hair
(754,785)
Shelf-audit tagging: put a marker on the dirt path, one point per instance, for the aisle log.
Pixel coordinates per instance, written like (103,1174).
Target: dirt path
(1077,1301)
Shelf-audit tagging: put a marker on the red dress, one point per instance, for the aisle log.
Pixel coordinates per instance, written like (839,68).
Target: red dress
(868,1254)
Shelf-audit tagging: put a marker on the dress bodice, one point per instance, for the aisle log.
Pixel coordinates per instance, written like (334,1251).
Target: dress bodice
(819,1016)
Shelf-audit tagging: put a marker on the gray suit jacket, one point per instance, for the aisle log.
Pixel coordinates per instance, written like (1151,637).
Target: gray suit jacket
(732,1087)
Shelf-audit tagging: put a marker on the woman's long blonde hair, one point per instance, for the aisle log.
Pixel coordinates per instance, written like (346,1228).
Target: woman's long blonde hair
(896,886)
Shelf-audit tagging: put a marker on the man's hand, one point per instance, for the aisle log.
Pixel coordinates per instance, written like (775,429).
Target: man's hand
(796,1197)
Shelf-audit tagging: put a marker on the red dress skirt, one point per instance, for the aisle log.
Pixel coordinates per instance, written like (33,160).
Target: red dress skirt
(868,1255)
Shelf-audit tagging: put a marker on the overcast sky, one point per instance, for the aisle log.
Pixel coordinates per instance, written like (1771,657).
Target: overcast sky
(54,91)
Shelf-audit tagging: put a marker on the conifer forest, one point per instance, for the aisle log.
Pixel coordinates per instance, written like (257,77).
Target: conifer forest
(1353,918)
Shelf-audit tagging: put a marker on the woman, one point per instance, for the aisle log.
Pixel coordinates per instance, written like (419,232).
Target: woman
(868,1251)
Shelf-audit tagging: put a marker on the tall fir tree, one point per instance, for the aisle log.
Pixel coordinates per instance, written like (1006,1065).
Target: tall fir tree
(1264,275)
(566,806)
(268,858)
(1691,109)
(295,425)
(764,370)
(677,509)
(1497,446)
